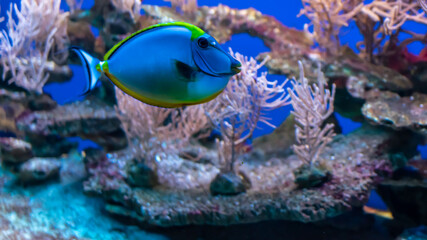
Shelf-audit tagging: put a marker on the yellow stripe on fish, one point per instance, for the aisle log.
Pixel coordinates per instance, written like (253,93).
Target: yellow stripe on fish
(378,212)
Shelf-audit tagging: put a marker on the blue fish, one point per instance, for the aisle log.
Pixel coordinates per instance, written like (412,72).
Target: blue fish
(166,65)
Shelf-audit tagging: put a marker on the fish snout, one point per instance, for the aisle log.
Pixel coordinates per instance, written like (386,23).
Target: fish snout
(236,66)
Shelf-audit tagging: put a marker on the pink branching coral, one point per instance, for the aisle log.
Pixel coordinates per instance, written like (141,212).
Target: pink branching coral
(133,7)
(312,105)
(74,4)
(393,13)
(327,18)
(24,48)
(242,105)
(186,6)
(376,20)
(423,5)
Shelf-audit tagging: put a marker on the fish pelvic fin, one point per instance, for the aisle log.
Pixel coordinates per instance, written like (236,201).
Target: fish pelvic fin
(93,69)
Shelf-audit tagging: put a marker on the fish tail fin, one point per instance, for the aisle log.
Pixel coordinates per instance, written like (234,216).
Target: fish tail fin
(92,69)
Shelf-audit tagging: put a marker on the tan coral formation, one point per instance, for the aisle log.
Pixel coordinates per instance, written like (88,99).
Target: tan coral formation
(375,20)
(27,44)
(132,7)
(312,105)
(244,104)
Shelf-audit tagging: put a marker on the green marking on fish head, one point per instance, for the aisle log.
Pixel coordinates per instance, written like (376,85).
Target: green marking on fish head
(195,33)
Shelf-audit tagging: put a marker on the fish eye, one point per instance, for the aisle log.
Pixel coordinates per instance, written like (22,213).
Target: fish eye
(203,42)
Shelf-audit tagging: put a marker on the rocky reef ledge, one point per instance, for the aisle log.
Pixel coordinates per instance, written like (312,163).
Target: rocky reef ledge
(183,196)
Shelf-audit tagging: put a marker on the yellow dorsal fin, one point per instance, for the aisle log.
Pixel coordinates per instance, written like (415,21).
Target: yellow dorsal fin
(195,33)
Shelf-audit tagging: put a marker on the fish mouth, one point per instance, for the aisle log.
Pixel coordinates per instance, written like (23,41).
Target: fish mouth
(236,66)
(236,69)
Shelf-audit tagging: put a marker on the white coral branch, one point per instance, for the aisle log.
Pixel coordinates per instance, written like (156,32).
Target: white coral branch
(238,111)
(74,5)
(312,105)
(133,7)
(28,40)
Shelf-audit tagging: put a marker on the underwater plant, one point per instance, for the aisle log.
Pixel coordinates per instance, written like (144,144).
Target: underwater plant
(380,22)
(74,5)
(312,105)
(242,105)
(133,7)
(327,18)
(423,5)
(27,44)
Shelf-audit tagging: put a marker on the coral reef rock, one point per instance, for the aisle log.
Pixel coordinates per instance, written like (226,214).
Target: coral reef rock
(308,176)
(41,102)
(14,150)
(50,146)
(347,71)
(72,169)
(418,233)
(141,175)
(283,63)
(406,200)
(19,221)
(37,170)
(365,75)
(10,110)
(283,137)
(183,198)
(56,211)
(229,183)
(88,119)
(420,165)
(69,120)
(390,109)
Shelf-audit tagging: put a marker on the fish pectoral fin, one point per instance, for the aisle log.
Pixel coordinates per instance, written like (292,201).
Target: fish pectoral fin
(186,72)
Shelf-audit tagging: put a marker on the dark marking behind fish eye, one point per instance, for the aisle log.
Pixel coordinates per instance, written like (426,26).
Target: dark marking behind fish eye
(203,42)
